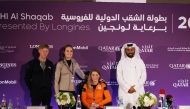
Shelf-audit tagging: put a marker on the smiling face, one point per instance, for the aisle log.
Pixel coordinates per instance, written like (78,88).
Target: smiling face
(68,52)
(95,77)
(130,52)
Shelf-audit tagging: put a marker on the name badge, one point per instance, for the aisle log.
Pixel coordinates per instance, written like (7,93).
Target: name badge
(72,79)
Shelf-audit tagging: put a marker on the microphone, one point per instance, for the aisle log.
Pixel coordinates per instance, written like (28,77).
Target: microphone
(161,95)
(169,100)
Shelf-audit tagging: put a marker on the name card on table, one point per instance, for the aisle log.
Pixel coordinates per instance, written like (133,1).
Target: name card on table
(183,106)
(36,107)
(113,107)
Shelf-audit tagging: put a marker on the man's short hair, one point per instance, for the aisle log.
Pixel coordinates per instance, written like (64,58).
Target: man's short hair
(43,46)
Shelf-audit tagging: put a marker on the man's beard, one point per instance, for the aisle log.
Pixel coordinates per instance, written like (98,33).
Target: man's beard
(131,56)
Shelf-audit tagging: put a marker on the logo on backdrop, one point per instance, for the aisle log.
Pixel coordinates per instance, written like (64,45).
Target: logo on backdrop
(181,83)
(179,66)
(83,67)
(109,48)
(110,65)
(76,82)
(80,47)
(36,46)
(8,82)
(112,83)
(183,49)
(152,65)
(150,83)
(146,48)
(7,48)
(7,65)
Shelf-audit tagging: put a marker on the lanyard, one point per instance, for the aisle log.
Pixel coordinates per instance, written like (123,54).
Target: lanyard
(69,68)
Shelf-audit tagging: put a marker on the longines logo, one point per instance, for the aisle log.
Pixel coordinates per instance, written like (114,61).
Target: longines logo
(109,48)
(7,49)
(181,83)
(179,66)
(146,48)
(150,83)
(80,47)
(110,65)
(152,65)
(8,82)
(7,65)
(183,49)
(36,46)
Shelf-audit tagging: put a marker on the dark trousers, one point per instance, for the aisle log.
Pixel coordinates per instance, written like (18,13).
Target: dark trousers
(73,92)
(41,96)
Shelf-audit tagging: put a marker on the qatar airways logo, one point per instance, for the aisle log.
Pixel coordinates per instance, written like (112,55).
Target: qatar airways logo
(146,48)
(7,65)
(150,83)
(110,65)
(37,46)
(8,82)
(179,66)
(181,83)
(80,47)
(109,48)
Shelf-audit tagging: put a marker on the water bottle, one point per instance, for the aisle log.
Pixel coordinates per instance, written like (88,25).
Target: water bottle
(165,105)
(160,103)
(10,106)
(4,103)
(78,102)
(121,101)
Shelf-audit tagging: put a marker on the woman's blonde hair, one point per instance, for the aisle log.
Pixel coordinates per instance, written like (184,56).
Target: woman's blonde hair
(89,81)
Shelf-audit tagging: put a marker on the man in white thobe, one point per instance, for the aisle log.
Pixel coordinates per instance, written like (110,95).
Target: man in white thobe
(131,75)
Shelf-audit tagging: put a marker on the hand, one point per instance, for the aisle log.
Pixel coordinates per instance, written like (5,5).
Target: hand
(132,90)
(102,80)
(92,107)
(96,105)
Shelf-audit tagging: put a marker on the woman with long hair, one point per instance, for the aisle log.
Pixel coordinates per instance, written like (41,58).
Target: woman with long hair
(95,94)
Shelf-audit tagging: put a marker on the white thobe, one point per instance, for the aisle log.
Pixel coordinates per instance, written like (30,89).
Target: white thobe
(131,71)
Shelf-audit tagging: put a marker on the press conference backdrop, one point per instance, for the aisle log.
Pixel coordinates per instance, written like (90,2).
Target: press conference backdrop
(97,31)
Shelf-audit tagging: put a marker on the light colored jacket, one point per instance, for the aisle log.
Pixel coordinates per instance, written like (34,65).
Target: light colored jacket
(63,75)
